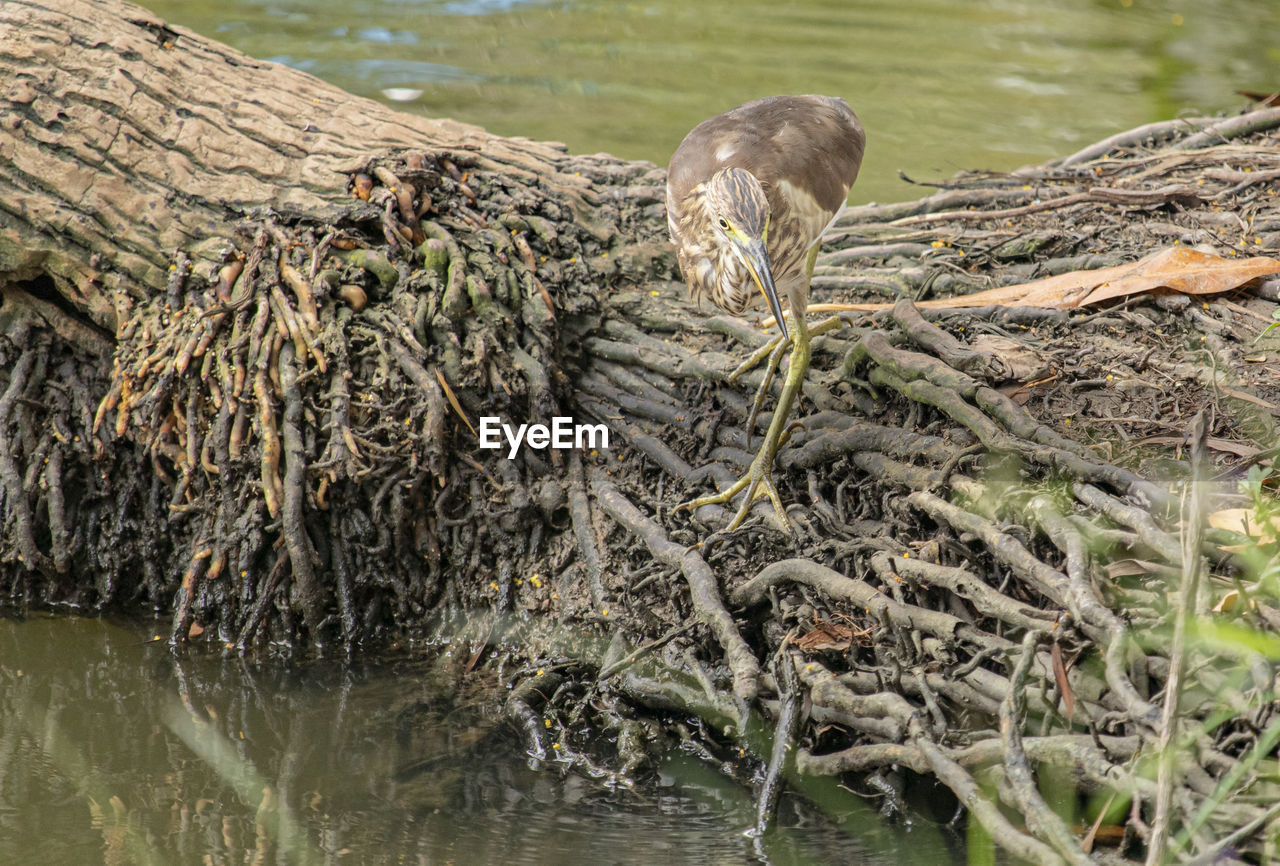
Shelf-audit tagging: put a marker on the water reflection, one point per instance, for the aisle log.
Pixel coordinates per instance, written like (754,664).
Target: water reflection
(112,751)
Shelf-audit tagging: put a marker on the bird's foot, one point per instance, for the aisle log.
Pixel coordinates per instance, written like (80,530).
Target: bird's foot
(771,350)
(757,483)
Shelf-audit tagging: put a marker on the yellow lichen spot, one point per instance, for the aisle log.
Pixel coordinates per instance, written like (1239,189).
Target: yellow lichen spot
(604,255)
(595,453)
(572,259)
(1175,19)
(547,722)
(1066,420)
(1110,377)
(244,573)
(604,612)
(906,554)
(519,582)
(1200,182)
(1026,186)
(619,456)
(555,595)
(1204,305)
(653,292)
(536,581)
(555,746)
(937,244)
(493,586)
(961,252)
(539,672)
(1258,241)
(173,267)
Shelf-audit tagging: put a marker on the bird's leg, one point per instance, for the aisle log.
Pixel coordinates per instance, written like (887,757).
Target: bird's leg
(771,368)
(758,481)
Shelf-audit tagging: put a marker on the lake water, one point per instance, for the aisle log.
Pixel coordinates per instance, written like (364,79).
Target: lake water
(940,86)
(114,751)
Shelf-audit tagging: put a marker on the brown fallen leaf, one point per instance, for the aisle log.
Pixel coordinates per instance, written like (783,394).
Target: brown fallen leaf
(1134,568)
(1064,685)
(825,635)
(1021,362)
(1226,446)
(1177,269)
(1264,98)
(1245,521)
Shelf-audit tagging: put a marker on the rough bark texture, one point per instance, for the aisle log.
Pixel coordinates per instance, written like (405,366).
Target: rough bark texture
(248,323)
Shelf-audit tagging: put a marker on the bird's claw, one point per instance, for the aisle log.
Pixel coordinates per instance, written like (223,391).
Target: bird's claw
(758,483)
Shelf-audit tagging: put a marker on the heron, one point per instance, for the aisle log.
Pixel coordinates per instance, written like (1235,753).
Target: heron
(749,195)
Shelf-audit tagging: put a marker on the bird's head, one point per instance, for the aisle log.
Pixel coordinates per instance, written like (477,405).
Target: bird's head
(740,210)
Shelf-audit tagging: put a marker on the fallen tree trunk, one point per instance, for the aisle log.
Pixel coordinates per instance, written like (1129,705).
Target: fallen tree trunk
(196,226)
(249,324)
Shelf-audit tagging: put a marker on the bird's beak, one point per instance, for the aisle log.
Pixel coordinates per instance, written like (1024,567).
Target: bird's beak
(758,262)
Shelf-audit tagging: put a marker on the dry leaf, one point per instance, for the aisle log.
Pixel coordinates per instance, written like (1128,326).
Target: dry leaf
(1264,98)
(825,635)
(1133,568)
(1064,686)
(1178,269)
(1227,603)
(1227,446)
(1244,521)
(1019,394)
(1022,361)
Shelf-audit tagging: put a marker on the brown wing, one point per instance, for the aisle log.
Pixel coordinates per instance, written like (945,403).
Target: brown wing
(813,142)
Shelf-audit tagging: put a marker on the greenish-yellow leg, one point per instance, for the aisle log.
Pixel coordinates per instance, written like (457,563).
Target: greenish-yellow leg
(773,350)
(770,370)
(758,481)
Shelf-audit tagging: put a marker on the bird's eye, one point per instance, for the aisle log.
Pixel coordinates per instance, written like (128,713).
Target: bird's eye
(724,223)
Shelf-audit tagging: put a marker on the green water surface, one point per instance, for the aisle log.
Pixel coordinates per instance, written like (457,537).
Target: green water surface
(940,86)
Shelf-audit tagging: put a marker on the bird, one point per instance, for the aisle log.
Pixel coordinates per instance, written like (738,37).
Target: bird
(750,193)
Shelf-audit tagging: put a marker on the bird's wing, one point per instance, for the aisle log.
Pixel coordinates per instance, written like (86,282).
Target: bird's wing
(812,142)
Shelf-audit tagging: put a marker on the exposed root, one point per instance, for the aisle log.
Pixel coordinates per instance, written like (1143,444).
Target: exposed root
(988,531)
